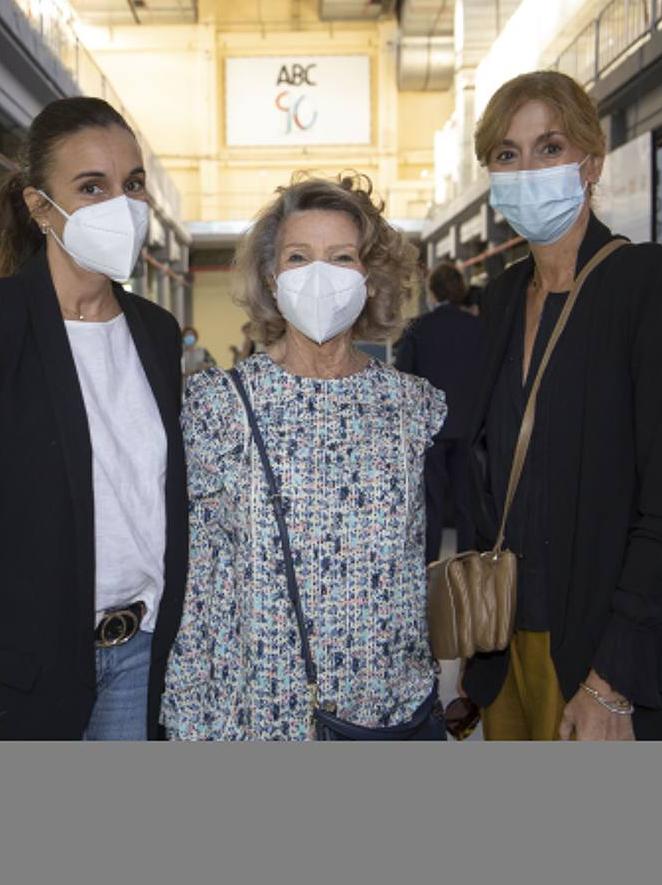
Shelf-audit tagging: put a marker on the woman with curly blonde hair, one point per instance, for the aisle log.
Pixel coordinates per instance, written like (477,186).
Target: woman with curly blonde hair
(305,606)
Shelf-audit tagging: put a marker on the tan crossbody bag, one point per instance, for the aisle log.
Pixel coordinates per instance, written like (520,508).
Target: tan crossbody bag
(472,596)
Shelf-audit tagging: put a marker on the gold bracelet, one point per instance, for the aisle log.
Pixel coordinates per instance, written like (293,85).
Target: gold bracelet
(621,708)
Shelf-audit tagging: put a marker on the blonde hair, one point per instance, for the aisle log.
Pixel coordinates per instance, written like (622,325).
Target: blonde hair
(570,104)
(385,253)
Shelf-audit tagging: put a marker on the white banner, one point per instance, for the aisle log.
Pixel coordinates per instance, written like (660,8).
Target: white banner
(298,100)
(624,196)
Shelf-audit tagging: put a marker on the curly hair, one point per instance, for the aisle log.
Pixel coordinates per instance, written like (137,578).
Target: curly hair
(389,259)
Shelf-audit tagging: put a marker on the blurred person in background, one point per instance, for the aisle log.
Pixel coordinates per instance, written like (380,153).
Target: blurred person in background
(346,436)
(445,346)
(474,295)
(586,523)
(93,538)
(195,358)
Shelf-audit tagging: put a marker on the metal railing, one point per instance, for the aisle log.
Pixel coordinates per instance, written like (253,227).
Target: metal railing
(55,22)
(621,26)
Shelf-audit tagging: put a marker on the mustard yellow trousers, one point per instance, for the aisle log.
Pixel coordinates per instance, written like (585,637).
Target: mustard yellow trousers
(530,704)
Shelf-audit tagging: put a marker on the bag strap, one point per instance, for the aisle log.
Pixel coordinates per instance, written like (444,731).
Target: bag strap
(277,504)
(528,420)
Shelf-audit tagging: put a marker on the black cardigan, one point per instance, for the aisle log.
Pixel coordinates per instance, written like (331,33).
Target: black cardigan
(47,583)
(604,473)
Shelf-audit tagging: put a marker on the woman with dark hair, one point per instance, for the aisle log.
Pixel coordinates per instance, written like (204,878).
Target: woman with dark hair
(92,487)
(345,436)
(586,522)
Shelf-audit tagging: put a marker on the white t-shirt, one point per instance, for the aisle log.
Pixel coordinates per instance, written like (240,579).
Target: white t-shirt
(129,449)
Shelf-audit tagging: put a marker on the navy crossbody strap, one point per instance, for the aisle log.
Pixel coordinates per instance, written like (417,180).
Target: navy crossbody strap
(277,504)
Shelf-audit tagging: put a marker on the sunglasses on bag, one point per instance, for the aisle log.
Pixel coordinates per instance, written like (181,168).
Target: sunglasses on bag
(462,716)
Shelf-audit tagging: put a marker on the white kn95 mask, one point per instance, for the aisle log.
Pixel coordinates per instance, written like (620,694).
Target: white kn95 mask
(105,237)
(321,299)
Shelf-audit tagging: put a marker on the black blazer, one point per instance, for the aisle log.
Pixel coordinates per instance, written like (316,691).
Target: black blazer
(603,392)
(47,579)
(445,346)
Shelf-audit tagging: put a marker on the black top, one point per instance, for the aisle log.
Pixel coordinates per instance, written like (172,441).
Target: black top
(47,544)
(527,530)
(602,404)
(445,346)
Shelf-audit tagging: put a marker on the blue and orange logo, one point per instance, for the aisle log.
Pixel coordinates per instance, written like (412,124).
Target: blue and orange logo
(298,109)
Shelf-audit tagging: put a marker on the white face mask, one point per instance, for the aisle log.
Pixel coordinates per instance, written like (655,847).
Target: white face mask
(105,237)
(540,204)
(321,299)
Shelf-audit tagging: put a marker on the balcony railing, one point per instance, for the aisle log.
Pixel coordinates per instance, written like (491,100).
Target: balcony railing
(56,24)
(621,27)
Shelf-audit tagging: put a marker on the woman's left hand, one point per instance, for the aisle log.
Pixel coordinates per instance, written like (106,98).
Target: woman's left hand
(588,720)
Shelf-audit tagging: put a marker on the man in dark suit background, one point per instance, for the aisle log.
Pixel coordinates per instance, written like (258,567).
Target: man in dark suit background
(445,346)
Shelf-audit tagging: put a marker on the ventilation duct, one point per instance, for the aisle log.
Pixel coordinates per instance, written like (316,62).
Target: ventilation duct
(354,10)
(425,64)
(138,12)
(426,48)
(426,18)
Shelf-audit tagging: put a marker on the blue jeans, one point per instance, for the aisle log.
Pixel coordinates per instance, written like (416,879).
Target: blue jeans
(120,709)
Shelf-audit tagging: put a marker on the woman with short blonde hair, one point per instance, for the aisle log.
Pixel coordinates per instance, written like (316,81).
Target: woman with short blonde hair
(586,657)
(572,108)
(307,592)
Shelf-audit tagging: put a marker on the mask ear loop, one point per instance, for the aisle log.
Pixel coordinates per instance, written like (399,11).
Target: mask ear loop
(43,226)
(588,185)
(48,229)
(54,204)
(272,284)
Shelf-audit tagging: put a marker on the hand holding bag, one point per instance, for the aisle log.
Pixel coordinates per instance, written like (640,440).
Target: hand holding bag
(472,596)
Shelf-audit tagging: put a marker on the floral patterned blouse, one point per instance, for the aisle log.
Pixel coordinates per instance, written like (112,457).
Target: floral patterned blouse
(348,454)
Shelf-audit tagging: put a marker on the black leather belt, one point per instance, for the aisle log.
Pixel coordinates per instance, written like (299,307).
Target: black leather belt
(118,625)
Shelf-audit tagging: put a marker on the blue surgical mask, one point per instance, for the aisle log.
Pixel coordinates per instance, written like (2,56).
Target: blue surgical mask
(189,340)
(540,204)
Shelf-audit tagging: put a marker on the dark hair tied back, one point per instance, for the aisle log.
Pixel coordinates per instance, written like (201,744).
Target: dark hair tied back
(20,237)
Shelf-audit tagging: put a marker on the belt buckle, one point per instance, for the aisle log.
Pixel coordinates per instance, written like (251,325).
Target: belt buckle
(128,627)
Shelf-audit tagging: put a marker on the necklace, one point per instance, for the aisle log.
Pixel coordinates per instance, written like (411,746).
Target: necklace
(68,312)
(76,315)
